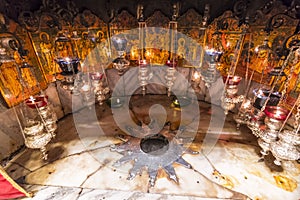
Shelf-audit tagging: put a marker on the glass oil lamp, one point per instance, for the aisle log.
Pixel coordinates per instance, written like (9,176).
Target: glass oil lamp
(244,114)
(230,97)
(286,148)
(144,75)
(91,84)
(209,70)
(38,123)
(83,87)
(275,116)
(67,59)
(100,88)
(44,110)
(263,95)
(265,56)
(120,63)
(195,79)
(170,74)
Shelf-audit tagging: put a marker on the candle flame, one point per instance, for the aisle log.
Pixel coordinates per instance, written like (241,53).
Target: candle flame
(32,99)
(196,75)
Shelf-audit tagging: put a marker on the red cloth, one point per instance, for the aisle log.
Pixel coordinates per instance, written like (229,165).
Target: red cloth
(8,188)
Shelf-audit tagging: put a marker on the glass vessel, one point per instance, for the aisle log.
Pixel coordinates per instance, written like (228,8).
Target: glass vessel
(230,97)
(275,116)
(120,63)
(38,122)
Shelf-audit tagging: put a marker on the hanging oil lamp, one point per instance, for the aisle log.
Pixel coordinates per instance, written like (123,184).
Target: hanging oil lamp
(37,123)
(267,97)
(170,74)
(101,88)
(35,116)
(209,70)
(171,63)
(67,59)
(230,97)
(286,148)
(275,116)
(144,74)
(262,95)
(244,111)
(120,63)
(195,79)
(243,115)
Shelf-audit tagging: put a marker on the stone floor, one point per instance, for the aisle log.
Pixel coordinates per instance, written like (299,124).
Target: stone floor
(81,160)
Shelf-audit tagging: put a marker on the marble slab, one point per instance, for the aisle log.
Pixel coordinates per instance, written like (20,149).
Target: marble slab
(80,164)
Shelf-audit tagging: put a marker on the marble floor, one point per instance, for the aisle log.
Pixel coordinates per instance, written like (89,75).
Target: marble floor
(223,161)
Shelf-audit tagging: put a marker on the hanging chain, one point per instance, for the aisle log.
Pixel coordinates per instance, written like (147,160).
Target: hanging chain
(277,78)
(248,57)
(237,53)
(297,116)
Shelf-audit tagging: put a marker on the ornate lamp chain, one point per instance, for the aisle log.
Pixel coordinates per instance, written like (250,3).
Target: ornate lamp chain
(297,116)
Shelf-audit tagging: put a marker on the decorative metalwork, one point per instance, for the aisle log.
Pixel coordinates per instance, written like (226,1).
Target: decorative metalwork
(274,118)
(230,97)
(51,14)
(243,116)
(285,149)
(154,151)
(14,56)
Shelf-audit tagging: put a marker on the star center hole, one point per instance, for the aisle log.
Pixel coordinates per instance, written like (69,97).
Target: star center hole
(154,145)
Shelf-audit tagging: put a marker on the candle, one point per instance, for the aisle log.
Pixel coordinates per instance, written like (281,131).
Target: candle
(196,75)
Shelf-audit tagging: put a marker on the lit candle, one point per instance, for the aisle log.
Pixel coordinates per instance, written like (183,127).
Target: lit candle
(277,114)
(235,78)
(32,99)
(196,75)
(67,59)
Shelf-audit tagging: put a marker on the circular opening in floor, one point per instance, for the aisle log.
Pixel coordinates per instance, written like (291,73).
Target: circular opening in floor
(155,145)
